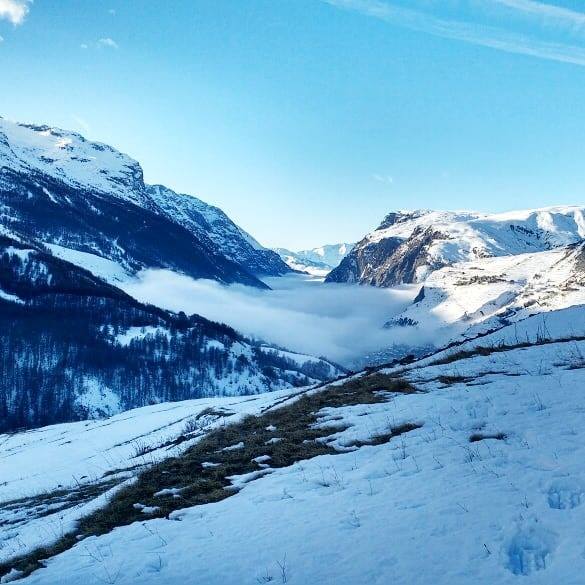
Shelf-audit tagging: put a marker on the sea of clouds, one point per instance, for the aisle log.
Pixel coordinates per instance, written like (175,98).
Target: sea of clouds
(341,322)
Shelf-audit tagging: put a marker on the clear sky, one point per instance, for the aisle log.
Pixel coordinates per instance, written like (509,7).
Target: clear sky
(308,120)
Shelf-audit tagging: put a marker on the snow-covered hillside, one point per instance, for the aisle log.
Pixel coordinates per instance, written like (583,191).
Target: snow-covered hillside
(408,246)
(94,459)
(75,347)
(316,261)
(60,189)
(463,468)
(471,298)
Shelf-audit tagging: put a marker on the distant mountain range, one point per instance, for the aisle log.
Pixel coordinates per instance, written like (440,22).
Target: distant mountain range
(477,272)
(316,261)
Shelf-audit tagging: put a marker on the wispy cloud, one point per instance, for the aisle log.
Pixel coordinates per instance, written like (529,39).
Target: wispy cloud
(108,42)
(386,179)
(81,123)
(552,12)
(14,10)
(474,33)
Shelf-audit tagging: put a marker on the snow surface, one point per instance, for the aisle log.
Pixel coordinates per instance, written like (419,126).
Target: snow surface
(10,297)
(109,270)
(72,455)
(133,333)
(427,507)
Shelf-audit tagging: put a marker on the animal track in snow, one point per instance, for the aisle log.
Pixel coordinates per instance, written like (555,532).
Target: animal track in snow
(565,494)
(529,550)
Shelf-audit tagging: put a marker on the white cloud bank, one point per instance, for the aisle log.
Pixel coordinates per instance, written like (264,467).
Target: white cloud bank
(14,10)
(478,33)
(341,322)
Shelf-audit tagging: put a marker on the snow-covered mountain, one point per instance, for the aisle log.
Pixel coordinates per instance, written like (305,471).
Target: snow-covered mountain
(58,188)
(207,221)
(408,246)
(471,298)
(316,261)
(377,478)
(75,347)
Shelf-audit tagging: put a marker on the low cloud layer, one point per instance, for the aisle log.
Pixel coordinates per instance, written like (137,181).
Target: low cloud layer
(341,322)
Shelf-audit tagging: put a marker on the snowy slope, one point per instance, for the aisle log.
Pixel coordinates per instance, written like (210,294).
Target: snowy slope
(470,298)
(103,454)
(103,268)
(208,221)
(488,489)
(408,246)
(316,261)
(69,158)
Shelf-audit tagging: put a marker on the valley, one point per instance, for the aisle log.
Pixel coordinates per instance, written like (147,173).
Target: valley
(165,399)
(292,292)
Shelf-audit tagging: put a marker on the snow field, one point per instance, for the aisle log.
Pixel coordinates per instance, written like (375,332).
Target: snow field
(426,507)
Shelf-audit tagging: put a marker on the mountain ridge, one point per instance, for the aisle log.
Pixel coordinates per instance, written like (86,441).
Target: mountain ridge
(318,261)
(58,188)
(408,246)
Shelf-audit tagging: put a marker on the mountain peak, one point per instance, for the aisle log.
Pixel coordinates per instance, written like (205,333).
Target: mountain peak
(401,216)
(69,158)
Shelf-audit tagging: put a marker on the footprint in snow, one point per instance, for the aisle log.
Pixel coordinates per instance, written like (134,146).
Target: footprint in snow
(530,550)
(565,494)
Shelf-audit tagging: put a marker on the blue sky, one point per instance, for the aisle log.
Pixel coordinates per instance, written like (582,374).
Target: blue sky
(308,120)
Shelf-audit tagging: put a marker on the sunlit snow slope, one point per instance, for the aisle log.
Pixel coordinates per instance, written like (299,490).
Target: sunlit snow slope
(476,477)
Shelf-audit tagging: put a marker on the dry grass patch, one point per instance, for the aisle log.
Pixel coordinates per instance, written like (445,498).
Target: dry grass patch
(286,434)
